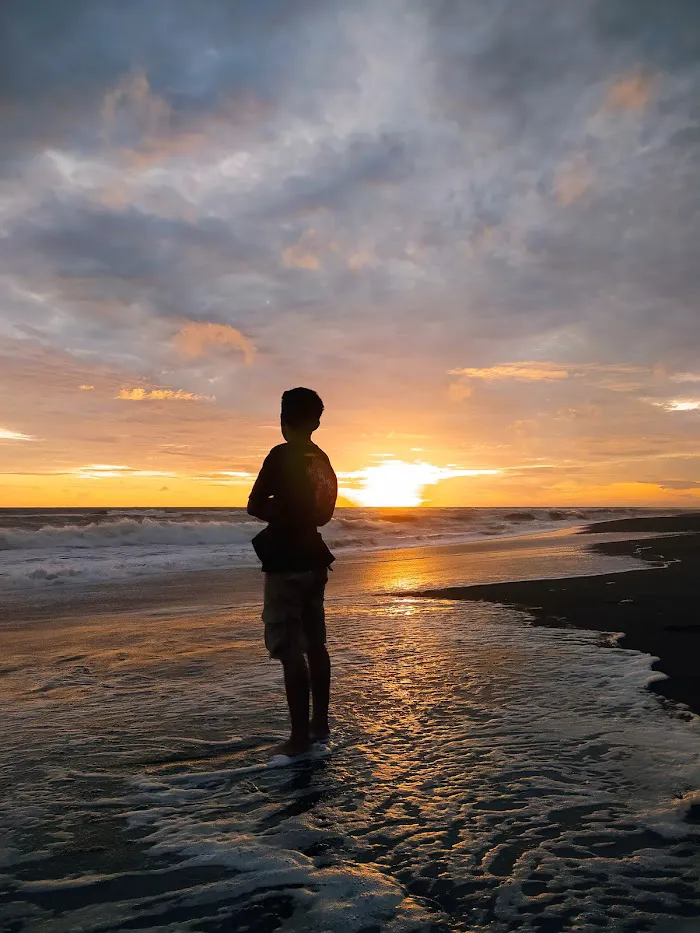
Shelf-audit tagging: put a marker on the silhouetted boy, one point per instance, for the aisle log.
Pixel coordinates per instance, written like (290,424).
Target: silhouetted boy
(295,494)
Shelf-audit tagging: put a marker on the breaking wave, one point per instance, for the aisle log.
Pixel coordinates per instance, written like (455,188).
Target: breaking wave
(58,546)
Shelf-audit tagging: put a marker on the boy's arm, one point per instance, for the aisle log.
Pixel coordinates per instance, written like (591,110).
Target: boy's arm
(261,503)
(325,503)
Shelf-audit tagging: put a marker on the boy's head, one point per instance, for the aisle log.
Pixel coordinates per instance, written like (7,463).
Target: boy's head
(301,413)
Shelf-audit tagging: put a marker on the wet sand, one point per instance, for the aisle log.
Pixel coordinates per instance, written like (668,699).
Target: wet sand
(656,609)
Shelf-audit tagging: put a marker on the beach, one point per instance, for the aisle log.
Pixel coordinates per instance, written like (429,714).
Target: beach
(488,774)
(654,610)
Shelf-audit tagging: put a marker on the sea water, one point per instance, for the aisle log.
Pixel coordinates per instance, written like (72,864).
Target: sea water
(40,547)
(487,776)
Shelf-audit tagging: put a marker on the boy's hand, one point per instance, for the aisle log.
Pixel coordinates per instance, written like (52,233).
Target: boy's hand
(264,509)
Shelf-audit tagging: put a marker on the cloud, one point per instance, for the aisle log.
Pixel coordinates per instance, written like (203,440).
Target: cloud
(631,92)
(198,338)
(156,395)
(678,484)
(112,471)
(86,388)
(359,260)
(227,478)
(303,254)
(131,113)
(621,377)
(678,404)
(7,435)
(572,181)
(101,471)
(523,372)
(459,391)
(296,257)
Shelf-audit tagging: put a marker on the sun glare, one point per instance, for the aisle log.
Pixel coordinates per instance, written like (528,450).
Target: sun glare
(398,483)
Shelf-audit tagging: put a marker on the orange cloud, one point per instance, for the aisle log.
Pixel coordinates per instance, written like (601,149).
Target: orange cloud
(613,376)
(110,471)
(679,404)
(7,435)
(86,388)
(303,254)
(459,391)
(195,339)
(159,395)
(299,257)
(632,92)
(572,181)
(526,372)
(359,260)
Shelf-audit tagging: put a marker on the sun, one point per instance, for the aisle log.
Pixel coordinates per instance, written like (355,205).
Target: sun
(396,483)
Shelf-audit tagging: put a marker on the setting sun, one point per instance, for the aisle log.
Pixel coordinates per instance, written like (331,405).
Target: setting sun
(398,483)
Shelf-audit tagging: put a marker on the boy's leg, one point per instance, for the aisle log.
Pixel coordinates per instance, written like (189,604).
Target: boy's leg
(296,685)
(320,672)
(319,660)
(284,640)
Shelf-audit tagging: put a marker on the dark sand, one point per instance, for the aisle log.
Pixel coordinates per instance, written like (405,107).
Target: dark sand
(657,609)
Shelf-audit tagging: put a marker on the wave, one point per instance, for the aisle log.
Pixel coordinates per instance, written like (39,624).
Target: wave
(130,532)
(45,547)
(233,527)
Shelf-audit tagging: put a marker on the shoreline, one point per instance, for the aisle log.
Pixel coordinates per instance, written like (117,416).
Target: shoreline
(204,590)
(655,608)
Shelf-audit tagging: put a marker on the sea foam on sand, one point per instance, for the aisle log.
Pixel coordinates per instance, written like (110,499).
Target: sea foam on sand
(489,777)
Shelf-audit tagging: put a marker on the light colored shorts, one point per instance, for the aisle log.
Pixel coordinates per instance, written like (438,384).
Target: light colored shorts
(293,611)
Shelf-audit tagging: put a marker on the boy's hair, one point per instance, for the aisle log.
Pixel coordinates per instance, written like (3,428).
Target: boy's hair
(301,408)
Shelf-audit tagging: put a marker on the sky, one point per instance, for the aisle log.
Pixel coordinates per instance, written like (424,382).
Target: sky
(471,227)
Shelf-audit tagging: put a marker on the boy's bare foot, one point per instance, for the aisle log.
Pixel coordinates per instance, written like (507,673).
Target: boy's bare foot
(293,747)
(320,731)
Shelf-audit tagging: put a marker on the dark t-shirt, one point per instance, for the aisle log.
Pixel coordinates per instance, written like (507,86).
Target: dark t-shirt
(296,491)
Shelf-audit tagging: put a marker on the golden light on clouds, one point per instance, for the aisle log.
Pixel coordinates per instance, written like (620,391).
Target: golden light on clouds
(680,404)
(110,471)
(525,371)
(197,338)
(300,257)
(398,483)
(7,435)
(572,181)
(359,261)
(160,395)
(632,92)
(459,391)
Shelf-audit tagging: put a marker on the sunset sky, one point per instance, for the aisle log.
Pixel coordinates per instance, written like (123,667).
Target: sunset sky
(473,227)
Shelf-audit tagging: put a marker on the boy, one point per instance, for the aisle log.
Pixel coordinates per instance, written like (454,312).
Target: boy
(295,494)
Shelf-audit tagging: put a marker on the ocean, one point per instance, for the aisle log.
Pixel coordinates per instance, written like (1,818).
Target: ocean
(41,547)
(486,775)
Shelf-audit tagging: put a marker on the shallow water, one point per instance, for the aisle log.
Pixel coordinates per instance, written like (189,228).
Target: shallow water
(487,776)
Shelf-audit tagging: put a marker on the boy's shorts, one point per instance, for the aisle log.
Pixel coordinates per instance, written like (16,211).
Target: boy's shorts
(293,611)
